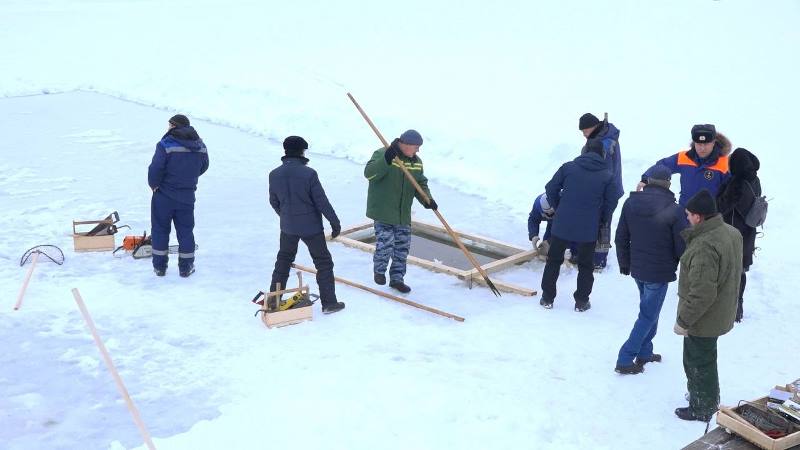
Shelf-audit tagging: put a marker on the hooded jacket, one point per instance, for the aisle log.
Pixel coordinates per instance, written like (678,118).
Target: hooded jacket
(180,158)
(583,193)
(648,235)
(737,195)
(699,173)
(609,135)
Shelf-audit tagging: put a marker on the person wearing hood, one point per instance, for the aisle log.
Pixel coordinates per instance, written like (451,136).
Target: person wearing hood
(541,211)
(703,166)
(649,246)
(298,198)
(180,158)
(583,194)
(389,199)
(608,134)
(734,200)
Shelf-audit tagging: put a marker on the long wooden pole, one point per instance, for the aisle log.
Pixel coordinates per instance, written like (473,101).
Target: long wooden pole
(427,200)
(107,358)
(384,294)
(25,283)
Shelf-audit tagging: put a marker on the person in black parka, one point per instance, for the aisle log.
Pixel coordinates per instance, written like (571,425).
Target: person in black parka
(296,195)
(734,200)
(584,195)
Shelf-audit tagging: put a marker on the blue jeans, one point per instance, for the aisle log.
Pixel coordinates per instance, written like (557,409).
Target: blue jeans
(640,342)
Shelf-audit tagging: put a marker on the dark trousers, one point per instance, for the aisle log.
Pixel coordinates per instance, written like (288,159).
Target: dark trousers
(165,211)
(742,285)
(702,379)
(322,261)
(555,257)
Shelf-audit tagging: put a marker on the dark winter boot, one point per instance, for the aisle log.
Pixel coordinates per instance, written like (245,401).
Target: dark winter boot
(400,286)
(583,306)
(160,272)
(330,309)
(186,271)
(655,357)
(546,304)
(687,414)
(380,279)
(631,369)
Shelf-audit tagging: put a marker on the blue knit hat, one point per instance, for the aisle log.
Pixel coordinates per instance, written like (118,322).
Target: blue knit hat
(411,137)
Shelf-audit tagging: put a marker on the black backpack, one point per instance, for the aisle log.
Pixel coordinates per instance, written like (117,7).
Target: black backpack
(757,214)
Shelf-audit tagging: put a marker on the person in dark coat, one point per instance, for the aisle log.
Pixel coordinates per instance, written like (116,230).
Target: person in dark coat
(649,246)
(180,158)
(703,166)
(296,195)
(734,201)
(541,211)
(608,134)
(583,194)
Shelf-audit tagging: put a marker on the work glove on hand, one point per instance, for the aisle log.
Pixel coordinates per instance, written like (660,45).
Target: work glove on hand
(390,154)
(535,242)
(432,205)
(335,230)
(679,330)
(625,270)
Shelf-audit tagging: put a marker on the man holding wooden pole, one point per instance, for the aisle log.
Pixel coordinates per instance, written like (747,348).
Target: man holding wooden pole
(389,204)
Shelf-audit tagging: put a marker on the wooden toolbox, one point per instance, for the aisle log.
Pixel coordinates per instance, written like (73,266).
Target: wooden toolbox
(83,242)
(733,422)
(287,317)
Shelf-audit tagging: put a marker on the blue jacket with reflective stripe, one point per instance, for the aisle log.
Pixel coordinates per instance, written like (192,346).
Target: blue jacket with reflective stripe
(180,158)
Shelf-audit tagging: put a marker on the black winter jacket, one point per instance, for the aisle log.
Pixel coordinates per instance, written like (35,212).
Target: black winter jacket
(296,195)
(648,235)
(735,198)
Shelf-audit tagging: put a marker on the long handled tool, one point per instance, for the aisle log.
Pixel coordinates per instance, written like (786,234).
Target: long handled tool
(427,200)
(385,295)
(107,358)
(50,252)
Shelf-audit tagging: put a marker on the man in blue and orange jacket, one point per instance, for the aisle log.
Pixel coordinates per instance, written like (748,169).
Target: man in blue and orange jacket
(703,166)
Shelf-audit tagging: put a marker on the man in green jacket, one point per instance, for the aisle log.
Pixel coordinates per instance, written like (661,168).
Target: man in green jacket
(389,204)
(708,292)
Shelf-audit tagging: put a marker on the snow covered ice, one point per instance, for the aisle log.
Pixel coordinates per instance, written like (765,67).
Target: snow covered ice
(495,90)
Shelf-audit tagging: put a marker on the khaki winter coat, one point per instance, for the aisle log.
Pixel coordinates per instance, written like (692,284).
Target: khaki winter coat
(708,284)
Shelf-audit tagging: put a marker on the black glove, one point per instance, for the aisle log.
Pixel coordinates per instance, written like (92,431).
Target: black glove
(432,205)
(335,230)
(625,270)
(390,154)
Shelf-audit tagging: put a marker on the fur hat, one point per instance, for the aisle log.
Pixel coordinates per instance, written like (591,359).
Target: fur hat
(703,133)
(702,203)
(294,146)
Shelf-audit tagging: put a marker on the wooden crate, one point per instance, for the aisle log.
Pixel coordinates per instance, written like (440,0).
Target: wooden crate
(84,243)
(290,316)
(728,418)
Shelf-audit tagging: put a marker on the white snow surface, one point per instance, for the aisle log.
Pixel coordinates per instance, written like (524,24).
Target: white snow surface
(496,90)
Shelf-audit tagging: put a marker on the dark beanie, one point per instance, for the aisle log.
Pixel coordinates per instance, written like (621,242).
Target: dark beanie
(587,120)
(179,120)
(659,175)
(411,137)
(703,133)
(294,146)
(595,146)
(702,203)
